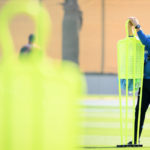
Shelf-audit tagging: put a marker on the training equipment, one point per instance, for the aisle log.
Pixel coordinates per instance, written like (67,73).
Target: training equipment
(38,97)
(130,67)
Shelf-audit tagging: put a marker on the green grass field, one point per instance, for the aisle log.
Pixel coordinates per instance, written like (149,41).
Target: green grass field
(101,125)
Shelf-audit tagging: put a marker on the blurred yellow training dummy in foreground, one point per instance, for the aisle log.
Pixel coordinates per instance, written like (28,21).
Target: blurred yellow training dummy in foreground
(38,98)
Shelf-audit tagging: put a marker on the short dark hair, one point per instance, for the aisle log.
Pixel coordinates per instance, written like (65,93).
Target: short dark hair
(31,38)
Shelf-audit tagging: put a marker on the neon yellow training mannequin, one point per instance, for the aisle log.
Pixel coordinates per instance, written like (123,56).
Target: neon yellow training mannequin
(130,67)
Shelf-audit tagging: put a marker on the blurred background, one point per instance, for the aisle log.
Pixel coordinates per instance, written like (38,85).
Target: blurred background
(86,32)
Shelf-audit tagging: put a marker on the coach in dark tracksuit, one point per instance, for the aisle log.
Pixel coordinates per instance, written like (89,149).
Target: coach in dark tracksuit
(145,39)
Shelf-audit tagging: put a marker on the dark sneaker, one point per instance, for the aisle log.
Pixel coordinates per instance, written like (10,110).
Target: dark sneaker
(130,143)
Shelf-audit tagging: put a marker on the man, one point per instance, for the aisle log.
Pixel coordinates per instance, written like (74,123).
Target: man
(145,39)
(27,48)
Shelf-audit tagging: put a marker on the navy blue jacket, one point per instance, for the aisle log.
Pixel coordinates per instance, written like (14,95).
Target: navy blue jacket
(145,39)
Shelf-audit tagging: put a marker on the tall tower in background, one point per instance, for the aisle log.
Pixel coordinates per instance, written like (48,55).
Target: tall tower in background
(72,23)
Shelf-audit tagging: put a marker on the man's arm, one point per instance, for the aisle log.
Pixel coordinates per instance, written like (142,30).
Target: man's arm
(143,38)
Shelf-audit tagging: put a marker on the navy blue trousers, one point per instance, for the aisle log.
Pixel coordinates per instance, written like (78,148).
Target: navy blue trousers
(144,106)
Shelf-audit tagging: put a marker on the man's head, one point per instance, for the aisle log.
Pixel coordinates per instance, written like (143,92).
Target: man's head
(31,38)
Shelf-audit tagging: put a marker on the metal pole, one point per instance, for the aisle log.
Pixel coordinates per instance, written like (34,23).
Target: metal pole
(103,37)
(72,23)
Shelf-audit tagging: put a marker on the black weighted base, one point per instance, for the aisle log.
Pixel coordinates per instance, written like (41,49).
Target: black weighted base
(130,145)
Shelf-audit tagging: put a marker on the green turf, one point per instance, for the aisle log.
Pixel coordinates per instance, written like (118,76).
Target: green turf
(113,148)
(101,128)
